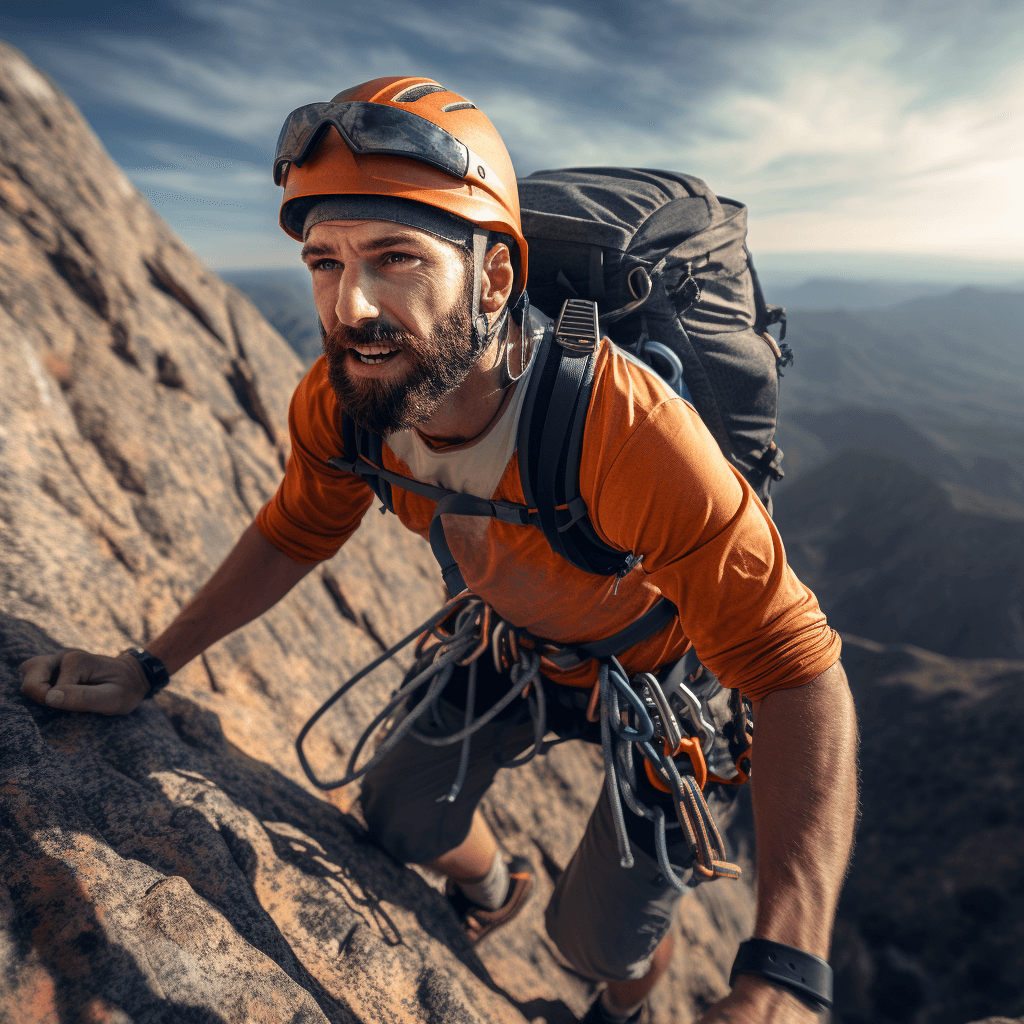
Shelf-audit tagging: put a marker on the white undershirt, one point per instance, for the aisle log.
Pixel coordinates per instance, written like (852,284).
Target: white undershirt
(477,466)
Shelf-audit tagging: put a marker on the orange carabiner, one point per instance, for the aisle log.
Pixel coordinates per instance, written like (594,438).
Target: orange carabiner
(689,745)
(742,775)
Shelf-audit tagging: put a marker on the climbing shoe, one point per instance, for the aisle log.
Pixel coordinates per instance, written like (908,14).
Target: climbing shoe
(478,921)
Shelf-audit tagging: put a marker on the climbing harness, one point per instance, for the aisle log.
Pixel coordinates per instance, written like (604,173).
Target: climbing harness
(465,629)
(663,722)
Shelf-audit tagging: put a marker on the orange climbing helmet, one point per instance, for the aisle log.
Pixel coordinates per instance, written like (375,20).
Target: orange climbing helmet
(399,144)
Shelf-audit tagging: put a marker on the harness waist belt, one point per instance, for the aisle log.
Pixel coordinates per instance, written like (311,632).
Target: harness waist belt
(647,625)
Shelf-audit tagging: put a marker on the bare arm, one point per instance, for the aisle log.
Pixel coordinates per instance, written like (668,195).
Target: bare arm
(804,787)
(252,579)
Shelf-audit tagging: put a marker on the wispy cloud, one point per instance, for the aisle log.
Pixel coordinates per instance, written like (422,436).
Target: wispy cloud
(192,172)
(880,124)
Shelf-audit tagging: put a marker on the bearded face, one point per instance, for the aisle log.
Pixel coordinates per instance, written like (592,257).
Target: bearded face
(426,369)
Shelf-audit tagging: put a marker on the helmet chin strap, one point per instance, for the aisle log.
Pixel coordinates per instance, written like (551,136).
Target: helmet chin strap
(481,329)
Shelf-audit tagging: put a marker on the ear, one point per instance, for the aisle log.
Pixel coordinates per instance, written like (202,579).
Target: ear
(496,279)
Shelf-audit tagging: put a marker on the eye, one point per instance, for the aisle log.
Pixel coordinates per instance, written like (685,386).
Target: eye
(390,259)
(327,265)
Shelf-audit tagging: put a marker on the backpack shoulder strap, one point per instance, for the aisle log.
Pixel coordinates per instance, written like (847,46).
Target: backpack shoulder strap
(550,440)
(364,453)
(549,447)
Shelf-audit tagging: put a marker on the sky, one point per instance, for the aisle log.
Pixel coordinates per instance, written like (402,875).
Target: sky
(871,139)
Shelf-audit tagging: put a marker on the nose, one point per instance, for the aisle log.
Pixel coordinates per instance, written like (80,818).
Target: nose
(355,304)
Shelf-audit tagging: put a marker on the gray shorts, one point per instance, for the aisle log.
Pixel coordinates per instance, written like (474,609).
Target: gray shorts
(606,920)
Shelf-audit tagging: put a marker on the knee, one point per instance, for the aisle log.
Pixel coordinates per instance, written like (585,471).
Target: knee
(598,952)
(404,830)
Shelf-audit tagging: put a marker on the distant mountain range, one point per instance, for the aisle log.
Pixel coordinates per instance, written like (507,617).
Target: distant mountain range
(890,558)
(953,358)
(937,382)
(837,293)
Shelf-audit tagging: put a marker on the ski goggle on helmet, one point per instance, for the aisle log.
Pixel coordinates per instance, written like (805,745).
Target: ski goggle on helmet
(404,139)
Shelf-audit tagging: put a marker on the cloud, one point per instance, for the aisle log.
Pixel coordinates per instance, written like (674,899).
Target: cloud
(878,123)
(191,172)
(858,156)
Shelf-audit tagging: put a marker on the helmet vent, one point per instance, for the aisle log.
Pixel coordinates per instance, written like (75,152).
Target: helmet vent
(417,92)
(464,105)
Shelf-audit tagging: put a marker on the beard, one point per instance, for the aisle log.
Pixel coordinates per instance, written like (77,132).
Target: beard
(440,364)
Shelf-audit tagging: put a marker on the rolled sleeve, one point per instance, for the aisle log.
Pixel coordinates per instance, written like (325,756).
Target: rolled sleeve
(316,507)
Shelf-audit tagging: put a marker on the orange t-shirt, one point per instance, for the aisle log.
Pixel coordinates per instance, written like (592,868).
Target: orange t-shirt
(655,483)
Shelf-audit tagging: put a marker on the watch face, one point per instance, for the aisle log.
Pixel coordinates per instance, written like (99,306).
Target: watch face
(152,667)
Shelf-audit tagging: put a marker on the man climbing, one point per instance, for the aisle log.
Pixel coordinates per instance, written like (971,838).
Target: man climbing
(406,201)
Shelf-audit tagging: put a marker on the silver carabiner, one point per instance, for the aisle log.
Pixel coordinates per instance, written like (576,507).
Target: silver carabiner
(669,723)
(675,685)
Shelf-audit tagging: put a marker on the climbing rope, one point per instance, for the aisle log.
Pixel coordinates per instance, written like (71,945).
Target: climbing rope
(464,630)
(437,652)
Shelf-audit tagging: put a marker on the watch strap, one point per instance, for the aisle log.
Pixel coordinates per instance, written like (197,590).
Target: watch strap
(153,668)
(804,974)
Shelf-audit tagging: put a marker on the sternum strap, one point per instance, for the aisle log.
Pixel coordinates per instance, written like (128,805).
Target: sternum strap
(448,503)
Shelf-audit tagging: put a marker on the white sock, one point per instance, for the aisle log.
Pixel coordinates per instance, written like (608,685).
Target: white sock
(617,1015)
(489,891)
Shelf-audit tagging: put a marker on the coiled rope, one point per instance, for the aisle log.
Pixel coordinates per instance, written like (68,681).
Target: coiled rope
(460,633)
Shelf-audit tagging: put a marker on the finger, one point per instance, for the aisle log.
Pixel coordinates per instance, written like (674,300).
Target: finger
(101,698)
(80,667)
(92,682)
(39,674)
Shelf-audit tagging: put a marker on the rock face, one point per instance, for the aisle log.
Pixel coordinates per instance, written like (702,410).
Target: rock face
(175,863)
(284,297)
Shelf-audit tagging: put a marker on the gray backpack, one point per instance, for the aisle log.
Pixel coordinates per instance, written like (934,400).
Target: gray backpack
(666,262)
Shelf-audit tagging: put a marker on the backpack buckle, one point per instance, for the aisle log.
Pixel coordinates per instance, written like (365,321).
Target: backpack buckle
(576,329)
(344,464)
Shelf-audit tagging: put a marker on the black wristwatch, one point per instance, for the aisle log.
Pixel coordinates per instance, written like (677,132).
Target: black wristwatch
(807,976)
(153,668)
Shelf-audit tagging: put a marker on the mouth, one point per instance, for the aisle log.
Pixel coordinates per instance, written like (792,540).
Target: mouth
(374,354)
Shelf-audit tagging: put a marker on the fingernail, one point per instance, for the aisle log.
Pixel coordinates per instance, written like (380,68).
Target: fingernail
(54,698)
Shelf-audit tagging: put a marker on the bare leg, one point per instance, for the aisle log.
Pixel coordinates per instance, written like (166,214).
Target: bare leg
(473,857)
(621,995)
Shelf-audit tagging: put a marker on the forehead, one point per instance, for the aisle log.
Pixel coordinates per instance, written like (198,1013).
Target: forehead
(368,235)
